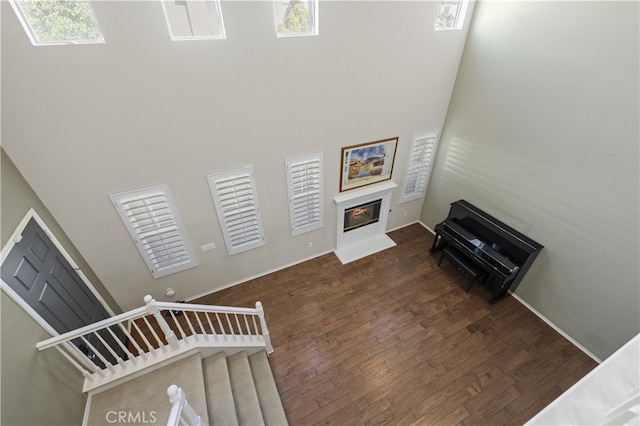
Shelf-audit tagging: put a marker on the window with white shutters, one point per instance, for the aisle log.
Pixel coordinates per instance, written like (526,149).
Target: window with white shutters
(421,156)
(152,221)
(236,200)
(304,182)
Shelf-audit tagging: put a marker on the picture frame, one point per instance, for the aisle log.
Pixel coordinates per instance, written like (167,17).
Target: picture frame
(367,163)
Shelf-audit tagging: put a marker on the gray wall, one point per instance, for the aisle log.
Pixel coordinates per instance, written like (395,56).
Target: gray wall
(81,122)
(37,387)
(542,132)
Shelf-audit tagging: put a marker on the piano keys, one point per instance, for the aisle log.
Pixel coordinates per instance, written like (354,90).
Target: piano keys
(502,252)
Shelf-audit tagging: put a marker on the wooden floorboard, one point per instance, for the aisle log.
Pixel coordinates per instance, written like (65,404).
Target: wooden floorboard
(394,339)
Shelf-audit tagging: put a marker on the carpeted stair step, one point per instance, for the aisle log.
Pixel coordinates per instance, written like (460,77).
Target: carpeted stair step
(145,397)
(221,407)
(268,396)
(244,390)
(236,391)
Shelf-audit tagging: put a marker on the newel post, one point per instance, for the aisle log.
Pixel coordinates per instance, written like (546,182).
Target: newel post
(172,340)
(180,406)
(263,326)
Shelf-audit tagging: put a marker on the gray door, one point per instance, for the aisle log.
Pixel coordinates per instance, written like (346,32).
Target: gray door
(38,272)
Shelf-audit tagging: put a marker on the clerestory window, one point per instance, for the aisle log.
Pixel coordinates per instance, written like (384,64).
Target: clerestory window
(52,22)
(451,14)
(296,17)
(194,19)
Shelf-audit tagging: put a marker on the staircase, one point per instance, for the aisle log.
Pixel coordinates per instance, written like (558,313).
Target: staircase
(234,390)
(246,384)
(175,363)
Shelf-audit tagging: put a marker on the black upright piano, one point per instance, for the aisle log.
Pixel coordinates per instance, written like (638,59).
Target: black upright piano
(499,250)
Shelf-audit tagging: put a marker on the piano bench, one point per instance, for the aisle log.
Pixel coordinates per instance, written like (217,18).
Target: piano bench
(466,265)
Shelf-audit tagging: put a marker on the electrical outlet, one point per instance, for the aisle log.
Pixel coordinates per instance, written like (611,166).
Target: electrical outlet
(208,247)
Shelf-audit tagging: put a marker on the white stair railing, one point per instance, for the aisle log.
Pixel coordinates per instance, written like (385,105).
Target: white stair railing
(125,344)
(182,414)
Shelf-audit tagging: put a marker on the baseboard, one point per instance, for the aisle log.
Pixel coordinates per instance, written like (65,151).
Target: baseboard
(518,298)
(400,227)
(427,228)
(556,328)
(279,268)
(542,317)
(409,224)
(253,277)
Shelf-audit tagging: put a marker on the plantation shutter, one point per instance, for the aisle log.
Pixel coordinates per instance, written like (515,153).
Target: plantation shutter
(304,182)
(421,156)
(152,221)
(236,200)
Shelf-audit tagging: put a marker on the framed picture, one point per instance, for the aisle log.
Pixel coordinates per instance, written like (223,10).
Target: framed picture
(367,163)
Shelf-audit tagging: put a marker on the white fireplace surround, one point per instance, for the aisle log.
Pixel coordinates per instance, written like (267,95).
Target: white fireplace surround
(369,239)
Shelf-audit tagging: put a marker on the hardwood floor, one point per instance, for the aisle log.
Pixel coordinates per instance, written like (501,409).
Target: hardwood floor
(395,339)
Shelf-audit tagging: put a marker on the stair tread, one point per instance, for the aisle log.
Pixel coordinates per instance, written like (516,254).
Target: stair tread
(232,391)
(146,396)
(219,395)
(268,396)
(244,390)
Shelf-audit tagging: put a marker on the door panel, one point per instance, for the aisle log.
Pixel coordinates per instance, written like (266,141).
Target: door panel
(39,273)
(59,313)
(39,248)
(67,282)
(26,274)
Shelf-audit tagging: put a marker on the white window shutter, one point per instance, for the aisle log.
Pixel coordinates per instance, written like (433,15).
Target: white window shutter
(152,221)
(304,183)
(421,156)
(236,200)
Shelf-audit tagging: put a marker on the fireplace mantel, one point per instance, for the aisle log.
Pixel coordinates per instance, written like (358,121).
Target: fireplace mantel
(366,240)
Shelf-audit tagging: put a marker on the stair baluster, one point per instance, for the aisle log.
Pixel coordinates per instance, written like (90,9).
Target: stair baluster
(126,344)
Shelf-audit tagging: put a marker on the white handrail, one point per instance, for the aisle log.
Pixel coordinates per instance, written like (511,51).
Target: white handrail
(74,334)
(136,313)
(204,308)
(110,349)
(181,412)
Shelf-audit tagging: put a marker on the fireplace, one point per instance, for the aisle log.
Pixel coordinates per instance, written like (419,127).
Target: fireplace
(362,215)
(362,221)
